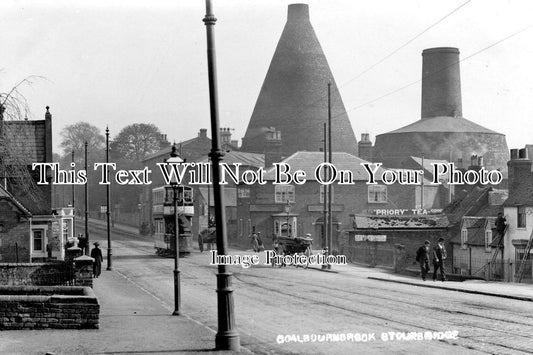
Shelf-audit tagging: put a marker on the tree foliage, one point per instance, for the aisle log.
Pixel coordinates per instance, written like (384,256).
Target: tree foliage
(136,141)
(75,135)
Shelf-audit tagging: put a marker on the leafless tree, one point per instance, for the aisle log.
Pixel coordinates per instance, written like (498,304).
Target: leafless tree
(14,162)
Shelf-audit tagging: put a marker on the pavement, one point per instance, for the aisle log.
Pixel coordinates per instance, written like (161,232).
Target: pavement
(134,321)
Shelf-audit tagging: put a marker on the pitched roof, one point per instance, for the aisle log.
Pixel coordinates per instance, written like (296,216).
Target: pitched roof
(467,203)
(244,158)
(165,151)
(476,227)
(444,124)
(309,161)
(5,195)
(400,222)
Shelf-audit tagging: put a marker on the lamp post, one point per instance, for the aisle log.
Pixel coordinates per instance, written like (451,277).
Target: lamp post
(177,290)
(108,198)
(73,205)
(227,337)
(86,207)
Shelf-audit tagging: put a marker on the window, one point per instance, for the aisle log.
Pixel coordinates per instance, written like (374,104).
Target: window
(521,217)
(159,225)
(284,193)
(38,240)
(488,240)
(377,194)
(243,192)
(464,238)
(66,229)
(323,189)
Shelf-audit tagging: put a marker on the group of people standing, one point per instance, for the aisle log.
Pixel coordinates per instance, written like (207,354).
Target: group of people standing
(437,255)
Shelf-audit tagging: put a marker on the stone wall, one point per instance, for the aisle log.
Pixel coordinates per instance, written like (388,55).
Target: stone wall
(36,274)
(57,307)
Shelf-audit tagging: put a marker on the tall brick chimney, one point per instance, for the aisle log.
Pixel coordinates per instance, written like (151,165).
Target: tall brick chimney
(441,83)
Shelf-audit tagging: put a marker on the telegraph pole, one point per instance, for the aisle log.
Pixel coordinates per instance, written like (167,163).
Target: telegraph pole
(108,198)
(227,337)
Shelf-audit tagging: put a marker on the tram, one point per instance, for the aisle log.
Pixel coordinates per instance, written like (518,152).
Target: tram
(164,219)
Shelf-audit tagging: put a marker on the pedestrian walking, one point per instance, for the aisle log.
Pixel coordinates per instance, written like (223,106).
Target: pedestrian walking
(422,256)
(439,255)
(96,254)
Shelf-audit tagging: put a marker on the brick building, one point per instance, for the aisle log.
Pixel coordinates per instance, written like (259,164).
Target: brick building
(298,209)
(373,239)
(518,210)
(32,230)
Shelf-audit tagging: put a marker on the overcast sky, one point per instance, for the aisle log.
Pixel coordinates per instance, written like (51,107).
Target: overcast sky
(121,62)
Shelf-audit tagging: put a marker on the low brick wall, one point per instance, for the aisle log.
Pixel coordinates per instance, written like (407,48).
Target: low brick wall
(58,307)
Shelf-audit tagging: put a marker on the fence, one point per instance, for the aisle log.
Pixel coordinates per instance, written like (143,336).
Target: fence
(497,270)
(370,253)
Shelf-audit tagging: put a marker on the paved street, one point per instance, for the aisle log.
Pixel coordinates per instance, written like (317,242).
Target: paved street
(275,306)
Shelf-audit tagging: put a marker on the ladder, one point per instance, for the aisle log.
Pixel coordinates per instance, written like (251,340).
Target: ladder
(499,247)
(523,262)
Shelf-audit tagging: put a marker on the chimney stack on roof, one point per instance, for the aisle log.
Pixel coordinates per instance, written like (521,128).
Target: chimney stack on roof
(519,167)
(365,148)
(202,133)
(273,145)
(441,83)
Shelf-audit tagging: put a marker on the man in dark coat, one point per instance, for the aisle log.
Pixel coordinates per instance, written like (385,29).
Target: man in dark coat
(96,254)
(500,224)
(439,254)
(422,256)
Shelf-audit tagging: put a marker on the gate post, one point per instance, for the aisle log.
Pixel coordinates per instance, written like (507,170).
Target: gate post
(399,258)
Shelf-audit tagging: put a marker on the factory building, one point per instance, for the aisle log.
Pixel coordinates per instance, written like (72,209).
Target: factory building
(442,132)
(294,95)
